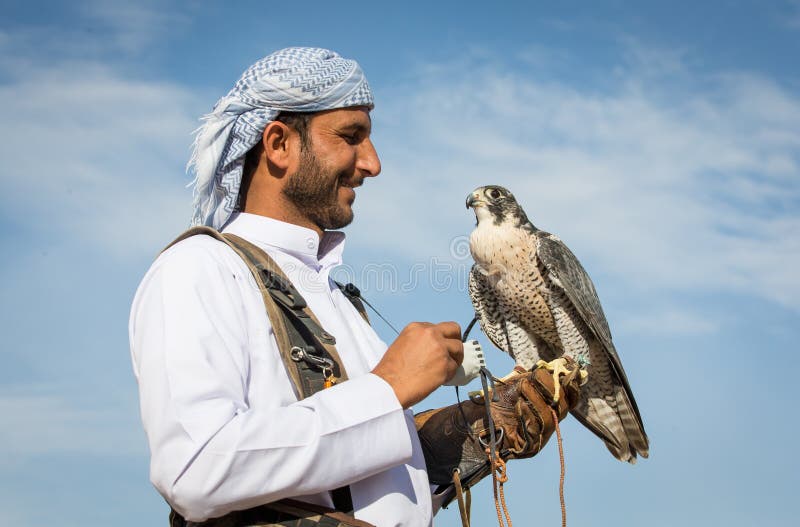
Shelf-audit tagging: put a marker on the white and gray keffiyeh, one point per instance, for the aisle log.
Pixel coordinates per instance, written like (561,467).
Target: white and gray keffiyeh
(292,79)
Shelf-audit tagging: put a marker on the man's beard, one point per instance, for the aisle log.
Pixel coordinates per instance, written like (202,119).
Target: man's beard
(314,190)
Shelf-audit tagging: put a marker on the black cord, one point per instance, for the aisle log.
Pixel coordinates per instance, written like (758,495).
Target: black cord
(486,379)
(352,291)
(469,328)
(378,313)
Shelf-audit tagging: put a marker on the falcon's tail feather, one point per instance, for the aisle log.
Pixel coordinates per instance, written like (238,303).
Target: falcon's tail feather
(614,421)
(634,430)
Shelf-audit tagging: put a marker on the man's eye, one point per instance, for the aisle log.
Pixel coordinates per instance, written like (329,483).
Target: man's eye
(351,139)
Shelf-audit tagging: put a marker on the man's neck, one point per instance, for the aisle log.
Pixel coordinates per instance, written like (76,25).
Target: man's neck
(286,215)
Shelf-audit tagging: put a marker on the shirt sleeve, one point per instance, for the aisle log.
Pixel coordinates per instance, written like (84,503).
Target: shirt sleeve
(212,451)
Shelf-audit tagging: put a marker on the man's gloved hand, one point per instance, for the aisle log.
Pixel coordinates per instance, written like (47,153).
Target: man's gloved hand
(457,438)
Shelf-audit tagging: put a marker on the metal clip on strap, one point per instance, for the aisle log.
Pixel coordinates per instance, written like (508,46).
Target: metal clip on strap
(309,355)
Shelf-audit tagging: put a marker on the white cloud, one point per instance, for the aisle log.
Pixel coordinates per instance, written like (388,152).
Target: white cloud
(109,31)
(133,27)
(96,155)
(667,181)
(663,180)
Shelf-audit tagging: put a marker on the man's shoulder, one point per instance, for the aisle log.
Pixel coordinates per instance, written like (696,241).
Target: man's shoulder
(197,258)
(190,283)
(194,250)
(197,246)
(198,267)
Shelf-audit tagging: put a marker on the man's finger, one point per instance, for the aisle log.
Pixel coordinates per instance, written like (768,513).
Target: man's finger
(456,349)
(450,329)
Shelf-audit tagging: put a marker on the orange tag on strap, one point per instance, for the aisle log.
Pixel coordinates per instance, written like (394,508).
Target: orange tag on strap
(330,380)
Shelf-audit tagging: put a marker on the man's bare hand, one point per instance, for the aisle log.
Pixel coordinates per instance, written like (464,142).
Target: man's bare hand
(423,357)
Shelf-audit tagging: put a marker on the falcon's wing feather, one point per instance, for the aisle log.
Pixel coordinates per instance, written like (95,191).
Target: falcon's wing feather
(565,271)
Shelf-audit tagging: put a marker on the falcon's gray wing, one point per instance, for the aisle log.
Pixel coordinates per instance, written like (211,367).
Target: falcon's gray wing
(566,272)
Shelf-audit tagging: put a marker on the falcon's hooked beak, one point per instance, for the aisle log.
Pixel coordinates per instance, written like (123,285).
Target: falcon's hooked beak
(473,200)
(477,202)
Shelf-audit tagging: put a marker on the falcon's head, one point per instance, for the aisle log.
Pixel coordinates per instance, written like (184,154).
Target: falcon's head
(495,203)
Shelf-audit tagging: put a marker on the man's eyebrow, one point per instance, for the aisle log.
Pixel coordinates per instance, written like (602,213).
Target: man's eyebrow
(357,127)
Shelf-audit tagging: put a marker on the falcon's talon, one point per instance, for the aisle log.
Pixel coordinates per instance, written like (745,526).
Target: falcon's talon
(558,367)
(476,396)
(514,373)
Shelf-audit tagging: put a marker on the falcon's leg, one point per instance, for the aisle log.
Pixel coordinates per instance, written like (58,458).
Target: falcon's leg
(516,372)
(527,349)
(559,366)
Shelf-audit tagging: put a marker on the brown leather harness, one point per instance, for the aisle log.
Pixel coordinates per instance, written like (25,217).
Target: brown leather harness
(312,363)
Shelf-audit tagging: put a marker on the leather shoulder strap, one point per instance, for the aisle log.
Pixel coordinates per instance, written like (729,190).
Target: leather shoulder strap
(295,326)
(291,318)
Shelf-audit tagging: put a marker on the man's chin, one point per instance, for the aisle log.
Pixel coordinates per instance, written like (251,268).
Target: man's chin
(338,219)
(345,219)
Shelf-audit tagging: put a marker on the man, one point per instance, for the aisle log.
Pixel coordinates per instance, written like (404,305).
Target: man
(277,163)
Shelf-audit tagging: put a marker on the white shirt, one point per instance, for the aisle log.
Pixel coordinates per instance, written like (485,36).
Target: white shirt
(225,428)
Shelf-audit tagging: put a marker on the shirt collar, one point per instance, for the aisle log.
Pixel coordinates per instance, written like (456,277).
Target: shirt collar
(300,242)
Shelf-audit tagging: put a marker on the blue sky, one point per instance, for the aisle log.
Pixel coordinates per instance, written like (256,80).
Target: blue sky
(660,140)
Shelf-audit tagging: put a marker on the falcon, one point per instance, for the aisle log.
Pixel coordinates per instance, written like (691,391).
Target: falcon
(535,301)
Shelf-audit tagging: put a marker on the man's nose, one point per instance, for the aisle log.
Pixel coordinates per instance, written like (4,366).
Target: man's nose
(368,162)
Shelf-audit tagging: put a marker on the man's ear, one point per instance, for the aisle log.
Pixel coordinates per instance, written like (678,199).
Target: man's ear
(280,145)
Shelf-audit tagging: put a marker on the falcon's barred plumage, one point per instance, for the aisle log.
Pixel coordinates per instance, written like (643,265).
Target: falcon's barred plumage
(535,301)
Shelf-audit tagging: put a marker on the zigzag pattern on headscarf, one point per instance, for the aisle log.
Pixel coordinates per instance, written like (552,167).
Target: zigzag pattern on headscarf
(292,79)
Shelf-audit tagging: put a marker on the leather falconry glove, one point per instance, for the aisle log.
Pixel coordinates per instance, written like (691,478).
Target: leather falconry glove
(457,438)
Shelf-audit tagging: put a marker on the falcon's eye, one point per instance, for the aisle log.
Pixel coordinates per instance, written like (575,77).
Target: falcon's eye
(494,193)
